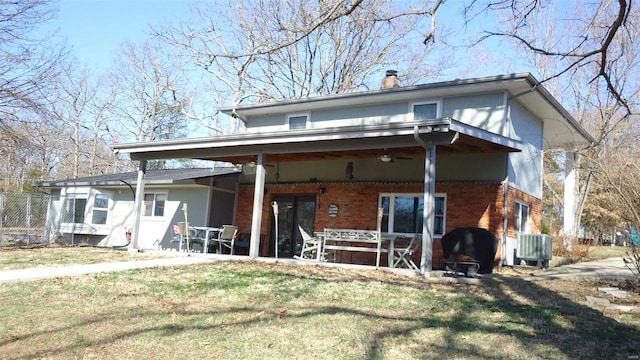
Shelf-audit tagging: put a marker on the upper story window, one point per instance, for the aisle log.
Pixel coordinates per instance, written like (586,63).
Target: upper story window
(403,213)
(522,217)
(154,204)
(100,209)
(298,121)
(425,110)
(74,208)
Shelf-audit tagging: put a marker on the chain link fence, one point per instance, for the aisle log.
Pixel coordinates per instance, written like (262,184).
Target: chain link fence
(23,219)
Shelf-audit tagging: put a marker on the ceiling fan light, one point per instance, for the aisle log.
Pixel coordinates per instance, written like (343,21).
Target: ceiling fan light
(385,158)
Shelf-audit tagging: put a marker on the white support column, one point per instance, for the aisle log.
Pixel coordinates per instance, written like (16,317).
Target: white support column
(258,200)
(426,260)
(569,215)
(137,210)
(570,183)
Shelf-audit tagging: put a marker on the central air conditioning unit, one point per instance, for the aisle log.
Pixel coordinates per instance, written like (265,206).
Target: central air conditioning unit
(535,247)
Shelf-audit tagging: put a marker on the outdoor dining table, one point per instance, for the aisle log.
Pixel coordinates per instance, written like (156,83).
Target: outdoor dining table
(206,233)
(391,239)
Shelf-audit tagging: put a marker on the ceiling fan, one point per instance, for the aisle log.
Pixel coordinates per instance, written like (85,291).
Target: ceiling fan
(387,156)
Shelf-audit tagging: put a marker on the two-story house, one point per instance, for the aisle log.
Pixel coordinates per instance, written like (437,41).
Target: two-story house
(471,149)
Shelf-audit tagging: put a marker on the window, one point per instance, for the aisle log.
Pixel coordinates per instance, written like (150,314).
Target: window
(100,209)
(154,204)
(74,208)
(522,217)
(403,213)
(297,122)
(425,111)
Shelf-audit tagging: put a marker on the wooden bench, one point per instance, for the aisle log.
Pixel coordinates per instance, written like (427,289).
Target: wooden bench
(354,240)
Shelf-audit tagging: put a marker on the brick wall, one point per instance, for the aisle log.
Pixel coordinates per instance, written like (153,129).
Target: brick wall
(468,205)
(535,211)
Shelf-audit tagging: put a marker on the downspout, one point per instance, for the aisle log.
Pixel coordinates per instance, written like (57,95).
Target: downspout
(258,200)
(139,198)
(505,209)
(505,219)
(426,259)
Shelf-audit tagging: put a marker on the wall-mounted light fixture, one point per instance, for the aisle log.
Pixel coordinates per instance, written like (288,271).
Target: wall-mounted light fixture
(349,170)
(322,190)
(385,158)
(251,164)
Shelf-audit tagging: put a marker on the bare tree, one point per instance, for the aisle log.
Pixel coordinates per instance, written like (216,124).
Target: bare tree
(548,26)
(601,32)
(28,61)
(148,100)
(271,50)
(77,105)
(618,191)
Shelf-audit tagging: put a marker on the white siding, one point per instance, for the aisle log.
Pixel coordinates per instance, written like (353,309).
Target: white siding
(525,167)
(484,111)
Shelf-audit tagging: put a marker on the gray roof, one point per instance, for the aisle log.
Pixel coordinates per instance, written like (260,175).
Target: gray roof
(152,177)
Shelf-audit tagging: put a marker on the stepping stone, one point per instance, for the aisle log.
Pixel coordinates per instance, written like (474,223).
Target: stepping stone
(623,308)
(605,289)
(621,294)
(614,291)
(597,300)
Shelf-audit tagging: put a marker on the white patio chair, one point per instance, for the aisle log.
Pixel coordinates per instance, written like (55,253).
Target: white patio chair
(227,238)
(311,245)
(402,254)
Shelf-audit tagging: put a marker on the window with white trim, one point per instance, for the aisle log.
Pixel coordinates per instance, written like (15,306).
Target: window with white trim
(74,208)
(403,213)
(100,209)
(154,204)
(522,217)
(298,121)
(425,110)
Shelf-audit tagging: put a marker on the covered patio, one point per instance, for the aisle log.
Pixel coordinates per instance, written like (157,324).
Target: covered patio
(418,141)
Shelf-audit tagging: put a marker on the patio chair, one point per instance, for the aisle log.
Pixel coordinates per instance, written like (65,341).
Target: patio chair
(226,238)
(403,250)
(311,245)
(180,237)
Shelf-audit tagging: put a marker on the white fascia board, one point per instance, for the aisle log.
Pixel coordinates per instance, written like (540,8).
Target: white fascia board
(273,138)
(485,135)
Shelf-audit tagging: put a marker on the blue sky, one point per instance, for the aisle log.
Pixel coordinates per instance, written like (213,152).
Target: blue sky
(95,28)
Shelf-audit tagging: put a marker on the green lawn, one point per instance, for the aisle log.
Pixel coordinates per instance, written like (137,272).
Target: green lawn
(257,310)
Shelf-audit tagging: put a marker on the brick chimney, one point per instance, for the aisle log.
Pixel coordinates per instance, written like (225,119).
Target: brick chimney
(390,80)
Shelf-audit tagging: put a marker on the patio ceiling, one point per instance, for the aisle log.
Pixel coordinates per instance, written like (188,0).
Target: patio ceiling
(357,142)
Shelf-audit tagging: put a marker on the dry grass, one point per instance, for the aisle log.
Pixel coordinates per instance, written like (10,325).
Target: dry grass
(588,252)
(264,311)
(21,258)
(602,252)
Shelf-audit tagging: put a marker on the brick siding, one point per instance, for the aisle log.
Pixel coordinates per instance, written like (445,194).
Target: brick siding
(468,205)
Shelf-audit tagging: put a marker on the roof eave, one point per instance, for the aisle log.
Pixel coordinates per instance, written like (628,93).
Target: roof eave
(455,87)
